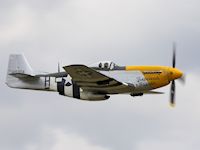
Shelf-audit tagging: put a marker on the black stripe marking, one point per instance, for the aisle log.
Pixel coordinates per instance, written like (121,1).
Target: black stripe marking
(76,90)
(61,87)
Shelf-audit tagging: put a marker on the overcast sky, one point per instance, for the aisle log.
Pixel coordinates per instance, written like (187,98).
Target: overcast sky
(128,32)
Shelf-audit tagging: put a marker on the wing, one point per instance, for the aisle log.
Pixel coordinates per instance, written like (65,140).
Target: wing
(56,75)
(91,80)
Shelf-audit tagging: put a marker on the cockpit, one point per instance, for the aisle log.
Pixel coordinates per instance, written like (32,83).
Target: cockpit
(104,65)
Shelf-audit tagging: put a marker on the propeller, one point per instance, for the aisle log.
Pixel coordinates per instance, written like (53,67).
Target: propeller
(172,93)
(174,56)
(173,84)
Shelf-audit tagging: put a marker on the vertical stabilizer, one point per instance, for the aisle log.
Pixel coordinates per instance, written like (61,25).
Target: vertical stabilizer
(18,64)
(19,72)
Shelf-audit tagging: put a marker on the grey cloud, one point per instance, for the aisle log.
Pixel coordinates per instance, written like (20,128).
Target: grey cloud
(133,28)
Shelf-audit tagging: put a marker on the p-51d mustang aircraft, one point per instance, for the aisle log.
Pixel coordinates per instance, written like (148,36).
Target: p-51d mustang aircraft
(96,82)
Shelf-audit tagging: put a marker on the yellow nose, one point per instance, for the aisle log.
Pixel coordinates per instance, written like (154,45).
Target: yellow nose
(175,74)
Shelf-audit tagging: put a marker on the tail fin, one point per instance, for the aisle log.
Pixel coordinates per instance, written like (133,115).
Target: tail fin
(18,68)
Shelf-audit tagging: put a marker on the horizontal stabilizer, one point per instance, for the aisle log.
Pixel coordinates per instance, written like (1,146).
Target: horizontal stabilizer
(56,75)
(21,75)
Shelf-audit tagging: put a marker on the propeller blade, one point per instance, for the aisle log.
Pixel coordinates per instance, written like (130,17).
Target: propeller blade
(172,93)
(174,56)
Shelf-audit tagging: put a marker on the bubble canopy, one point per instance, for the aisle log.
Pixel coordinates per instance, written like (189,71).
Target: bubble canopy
(104,65)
